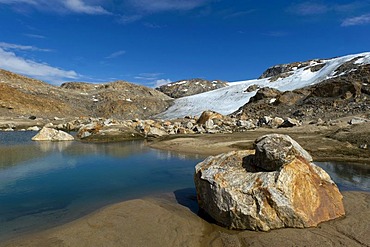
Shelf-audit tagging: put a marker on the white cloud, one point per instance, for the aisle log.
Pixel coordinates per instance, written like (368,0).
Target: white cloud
(9,46)
(358,20)
(10,61)
(78,6)
(165,5)
(162,82)
(73,6)
(116,54)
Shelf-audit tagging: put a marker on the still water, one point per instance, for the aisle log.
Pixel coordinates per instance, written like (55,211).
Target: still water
(43,184)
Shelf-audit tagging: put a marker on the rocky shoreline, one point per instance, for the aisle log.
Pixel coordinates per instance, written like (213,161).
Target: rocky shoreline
(153,220)
(211,133)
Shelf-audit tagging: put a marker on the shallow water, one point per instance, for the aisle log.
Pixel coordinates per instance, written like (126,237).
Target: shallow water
(48,183)
(43,184)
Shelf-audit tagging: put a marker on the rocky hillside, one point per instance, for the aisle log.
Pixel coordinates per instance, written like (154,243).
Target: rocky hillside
(320,88)
(20,95)
(184,88)
(346,94)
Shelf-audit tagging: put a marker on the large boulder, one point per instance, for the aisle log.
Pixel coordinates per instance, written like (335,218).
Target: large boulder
(49,134)
(236,190)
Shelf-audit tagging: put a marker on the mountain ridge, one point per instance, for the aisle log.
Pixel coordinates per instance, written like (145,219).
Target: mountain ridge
(229,99)
(332,83)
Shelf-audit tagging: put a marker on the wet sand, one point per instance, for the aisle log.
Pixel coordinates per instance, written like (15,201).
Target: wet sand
(165,222)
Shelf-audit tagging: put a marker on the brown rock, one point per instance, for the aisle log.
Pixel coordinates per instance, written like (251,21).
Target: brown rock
(209,115)
(236,192)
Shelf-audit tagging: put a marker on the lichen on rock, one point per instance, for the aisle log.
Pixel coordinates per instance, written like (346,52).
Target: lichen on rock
(239,192)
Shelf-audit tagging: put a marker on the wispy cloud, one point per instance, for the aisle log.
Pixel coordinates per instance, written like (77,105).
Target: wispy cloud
(127,19)
(239,14)
(65,6)
(308,8)
(148,76)
(340,11)
(166,5)
(355,21)
(36,36)
(152,79)
(78,6)
(10,61)
(152,25)
(116,54)
(162,82)
(9,46)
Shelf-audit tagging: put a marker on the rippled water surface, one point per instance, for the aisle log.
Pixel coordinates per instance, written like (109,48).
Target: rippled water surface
(43,184)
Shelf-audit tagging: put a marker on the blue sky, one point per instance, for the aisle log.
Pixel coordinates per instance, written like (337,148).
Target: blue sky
(153,42)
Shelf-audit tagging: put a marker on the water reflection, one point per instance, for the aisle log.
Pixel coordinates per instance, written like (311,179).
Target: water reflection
(167,155)
(49,146)
(348,175)
(44,184)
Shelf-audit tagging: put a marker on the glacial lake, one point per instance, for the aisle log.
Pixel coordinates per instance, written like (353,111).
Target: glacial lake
(44,184)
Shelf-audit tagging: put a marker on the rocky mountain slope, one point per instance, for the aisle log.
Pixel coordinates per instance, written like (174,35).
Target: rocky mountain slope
(185,88)
(20,95)
(320,88)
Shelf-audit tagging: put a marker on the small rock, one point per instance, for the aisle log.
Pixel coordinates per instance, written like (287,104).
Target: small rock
(288,123)
(49,125)
(252,88)
(156,132)
(275,150)
(363,146)
(207,115)
(209,124)
(198,129)
(33,128)
(49,134)
(357,120)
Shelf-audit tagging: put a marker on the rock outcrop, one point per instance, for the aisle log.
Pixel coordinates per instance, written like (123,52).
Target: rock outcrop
(49,134)
(184,88)
(345,93)
(276,187)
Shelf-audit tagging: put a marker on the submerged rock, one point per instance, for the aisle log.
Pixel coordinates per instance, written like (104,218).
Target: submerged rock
(49,134)
(236,190)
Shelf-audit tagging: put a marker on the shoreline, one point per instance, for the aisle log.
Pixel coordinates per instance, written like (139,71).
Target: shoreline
(314,139)
(170,220)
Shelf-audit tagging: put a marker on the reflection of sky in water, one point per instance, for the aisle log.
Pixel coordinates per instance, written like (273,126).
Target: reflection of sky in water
(47,183)
(347,175)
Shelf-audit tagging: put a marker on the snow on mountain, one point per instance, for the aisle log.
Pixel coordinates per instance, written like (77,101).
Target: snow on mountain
(228,99)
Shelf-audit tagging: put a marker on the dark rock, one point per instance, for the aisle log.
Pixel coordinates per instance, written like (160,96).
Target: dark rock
(273,151)
(184,88)
(252,88)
